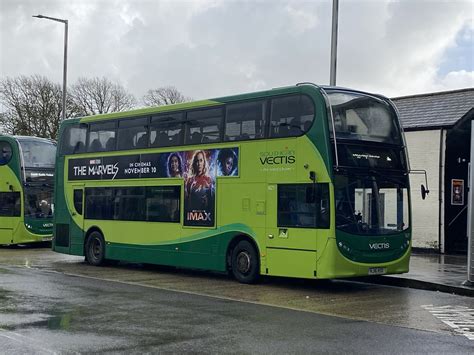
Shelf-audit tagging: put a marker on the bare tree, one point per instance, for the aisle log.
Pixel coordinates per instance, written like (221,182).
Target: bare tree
(32,106)
(164,96)
(100,95)
(2,120)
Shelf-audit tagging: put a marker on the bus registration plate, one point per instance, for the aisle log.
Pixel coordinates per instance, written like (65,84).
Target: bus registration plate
(47,239)
(377,270)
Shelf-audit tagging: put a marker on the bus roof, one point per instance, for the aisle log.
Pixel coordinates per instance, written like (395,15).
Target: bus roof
(40,139)
(27,138)
(341,88)
(212,102)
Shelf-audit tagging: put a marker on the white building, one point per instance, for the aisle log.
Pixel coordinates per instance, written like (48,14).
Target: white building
(438,133)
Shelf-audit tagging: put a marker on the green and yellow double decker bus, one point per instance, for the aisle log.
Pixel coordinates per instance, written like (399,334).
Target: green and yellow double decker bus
(26,189)
(301,181)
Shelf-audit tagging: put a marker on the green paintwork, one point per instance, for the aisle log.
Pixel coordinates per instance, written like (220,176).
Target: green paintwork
(21,229)
(40,226)
(205,250)
(150,111)
(245,206)
(357,247)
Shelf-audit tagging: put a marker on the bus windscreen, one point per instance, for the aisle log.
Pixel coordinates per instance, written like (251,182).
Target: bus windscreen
(362,117)
(371,204)
(37,153)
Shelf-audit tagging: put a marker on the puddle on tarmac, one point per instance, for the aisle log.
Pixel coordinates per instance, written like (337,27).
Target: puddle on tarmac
(16,319)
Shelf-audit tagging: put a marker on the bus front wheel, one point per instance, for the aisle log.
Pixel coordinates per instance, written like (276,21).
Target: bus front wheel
(95,249)
(245,266)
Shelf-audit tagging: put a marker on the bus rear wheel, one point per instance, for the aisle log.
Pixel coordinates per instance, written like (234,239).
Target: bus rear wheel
(244,262)
(95,249)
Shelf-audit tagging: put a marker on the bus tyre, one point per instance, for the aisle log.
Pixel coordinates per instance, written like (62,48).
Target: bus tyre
(95,249)
(245,265)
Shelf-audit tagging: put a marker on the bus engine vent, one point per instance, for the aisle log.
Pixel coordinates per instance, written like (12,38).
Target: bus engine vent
(62,235)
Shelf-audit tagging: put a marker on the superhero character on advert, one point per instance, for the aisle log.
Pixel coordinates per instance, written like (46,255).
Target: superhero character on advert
(199,186)
(227,162)
(174,166)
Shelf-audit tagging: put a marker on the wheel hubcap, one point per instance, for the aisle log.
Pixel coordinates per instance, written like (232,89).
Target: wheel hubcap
(243,262)
(96,248)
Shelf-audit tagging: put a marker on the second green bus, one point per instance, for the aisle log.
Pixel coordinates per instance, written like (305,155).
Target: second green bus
(26,189)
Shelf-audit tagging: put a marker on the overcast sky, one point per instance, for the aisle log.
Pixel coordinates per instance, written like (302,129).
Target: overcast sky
(212,48)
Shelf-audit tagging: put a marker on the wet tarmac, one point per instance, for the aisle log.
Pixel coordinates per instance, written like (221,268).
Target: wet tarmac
(44,311)
(354,300)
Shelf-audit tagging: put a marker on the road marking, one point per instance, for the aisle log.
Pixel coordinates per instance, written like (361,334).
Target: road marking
(459,318)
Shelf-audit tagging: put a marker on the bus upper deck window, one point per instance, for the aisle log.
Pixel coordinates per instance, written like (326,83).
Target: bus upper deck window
(167,130)
(204,126)
(245,120)
(37,153)
(73,139)
(291,116)
(101,137)
(133,133)
(363,117)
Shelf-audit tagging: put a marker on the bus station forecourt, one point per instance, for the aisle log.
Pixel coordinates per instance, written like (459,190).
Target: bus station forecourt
(300,181)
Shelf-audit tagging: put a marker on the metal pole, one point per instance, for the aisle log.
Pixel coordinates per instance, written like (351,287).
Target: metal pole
(335,10)
(65,59)
(65,69)
(470,217)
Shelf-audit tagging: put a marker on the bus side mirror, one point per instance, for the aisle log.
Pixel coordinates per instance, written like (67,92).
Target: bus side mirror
(424,191)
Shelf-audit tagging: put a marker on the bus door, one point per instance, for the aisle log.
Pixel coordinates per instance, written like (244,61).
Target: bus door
(76,223)
(290,230)
(10,212)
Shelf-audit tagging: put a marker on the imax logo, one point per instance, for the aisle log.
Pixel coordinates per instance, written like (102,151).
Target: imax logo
(199,216)
(378,246)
